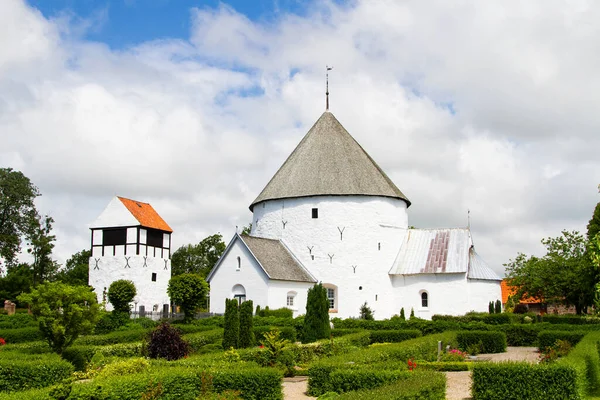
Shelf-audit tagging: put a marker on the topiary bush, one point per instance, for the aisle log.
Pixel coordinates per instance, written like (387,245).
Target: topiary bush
(121,294)
(166,342)
(231,333)
(316,322)
(246,325)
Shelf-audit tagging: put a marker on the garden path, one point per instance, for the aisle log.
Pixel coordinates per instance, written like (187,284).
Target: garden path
(295,388)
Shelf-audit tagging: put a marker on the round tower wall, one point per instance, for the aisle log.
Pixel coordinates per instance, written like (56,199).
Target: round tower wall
(348,243)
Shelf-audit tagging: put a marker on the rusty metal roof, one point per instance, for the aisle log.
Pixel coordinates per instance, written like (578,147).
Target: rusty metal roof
(433,251)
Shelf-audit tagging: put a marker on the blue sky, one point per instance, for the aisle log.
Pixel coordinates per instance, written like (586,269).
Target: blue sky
(123,23)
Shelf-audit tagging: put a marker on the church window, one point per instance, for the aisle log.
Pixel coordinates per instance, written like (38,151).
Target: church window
(424,299)
(239,263)
(154,277)
(315,213)
(154,238)
(379,246)
(290,299)
(331,296)
(114,237)
(239,293)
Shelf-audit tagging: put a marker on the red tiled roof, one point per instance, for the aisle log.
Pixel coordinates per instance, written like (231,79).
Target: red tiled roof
(508,290)
(145,214)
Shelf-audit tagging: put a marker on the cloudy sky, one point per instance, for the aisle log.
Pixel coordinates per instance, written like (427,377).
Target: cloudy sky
(193,105)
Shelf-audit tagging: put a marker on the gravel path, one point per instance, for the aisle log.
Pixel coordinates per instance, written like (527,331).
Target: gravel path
(295,388)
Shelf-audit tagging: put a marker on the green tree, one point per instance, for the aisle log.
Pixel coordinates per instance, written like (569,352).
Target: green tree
(247,338)
(247,229)
(316,322)
(76,270)
(593,226)
(565,274)
(231,325)
(17,212)
(198,259)
(18,279)
(121,294)
(491,307)
(498,307)
(412,313)
(366,313)
(63,312)
(188,291)
(41,243)
(402,316)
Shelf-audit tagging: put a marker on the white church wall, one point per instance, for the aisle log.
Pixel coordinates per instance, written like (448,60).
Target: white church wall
(357,259)
(278,293)
(138,269)
(482,292)
(249,274)
(115,215)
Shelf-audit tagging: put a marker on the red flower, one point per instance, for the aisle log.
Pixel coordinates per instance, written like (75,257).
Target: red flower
(261,347)
(2,342)
(411,364)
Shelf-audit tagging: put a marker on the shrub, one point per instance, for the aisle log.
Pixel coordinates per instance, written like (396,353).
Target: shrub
(21,335)
(231,333)
(548,339)
(188,291)
(121,294)
(412,313)
(393,336)
(316,321)
(491,307)
(246,325)
(277,313)
(18,372)
(124,367)
(286,332)
(496,319)
(423,385)
(491,341)
(520,308)
(402,317)
(446,366)
(110,321)
(520,335)
(128,336)
(584,358)
(199,340)
(508,381)
(166,342)
(17,321)
(79,356)
(498,307)
(366,312)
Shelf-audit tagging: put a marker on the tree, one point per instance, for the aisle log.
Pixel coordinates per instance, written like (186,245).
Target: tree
(491,307)
(247,229)
(121,294)
(198,259)
(565,274)
(402,316)
(498,307)
(231,325)
(41,243)
(17,212)
(63,312)
(247,338)
(593,226)
(412,313)
(18,279)
(366,313)
(316,322)
(188,291)
(76,271)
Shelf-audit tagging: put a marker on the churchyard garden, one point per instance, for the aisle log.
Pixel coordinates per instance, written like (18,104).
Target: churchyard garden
(231,357)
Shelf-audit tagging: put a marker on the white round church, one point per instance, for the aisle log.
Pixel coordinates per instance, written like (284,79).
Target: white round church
(331,215)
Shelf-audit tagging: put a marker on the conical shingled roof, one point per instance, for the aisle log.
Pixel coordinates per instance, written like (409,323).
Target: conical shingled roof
(329,162)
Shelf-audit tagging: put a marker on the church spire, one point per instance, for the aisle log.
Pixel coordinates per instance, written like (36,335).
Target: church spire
(327,69)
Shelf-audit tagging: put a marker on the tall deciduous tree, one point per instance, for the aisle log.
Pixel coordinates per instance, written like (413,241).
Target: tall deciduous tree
(18,279)
(41,243)
(76,270)
(593,226)
(189,292)
(199,258)
(17,212)
(316,322)
(565,274)
(63,312)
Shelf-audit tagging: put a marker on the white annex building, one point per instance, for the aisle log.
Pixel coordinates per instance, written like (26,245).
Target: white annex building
(331,215)
(131,241)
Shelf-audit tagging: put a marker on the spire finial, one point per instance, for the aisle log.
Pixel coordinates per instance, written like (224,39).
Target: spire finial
(469,219)
(327,69)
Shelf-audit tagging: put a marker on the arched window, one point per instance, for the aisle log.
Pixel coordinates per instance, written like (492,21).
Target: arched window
(239,263)
(424,299)
(291,298)
(332,296)
(239,293)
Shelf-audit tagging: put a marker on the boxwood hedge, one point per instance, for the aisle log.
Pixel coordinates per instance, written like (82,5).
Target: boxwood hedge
(393,336)
(21,372)
(491,341)
(548,338)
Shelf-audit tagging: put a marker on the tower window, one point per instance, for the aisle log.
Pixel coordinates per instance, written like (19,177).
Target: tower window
(154,238)
(315,213)
(154,277)
(424,300)
(114,237)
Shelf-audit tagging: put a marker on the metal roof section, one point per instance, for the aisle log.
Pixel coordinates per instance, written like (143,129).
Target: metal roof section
(329,162)
(433,251)
(479,269)
(276,260)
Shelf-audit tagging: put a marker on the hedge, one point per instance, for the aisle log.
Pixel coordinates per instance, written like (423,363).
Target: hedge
(286,332)
(277,313)
(423,385)
(18,372)
(200,339)
(585,359)
(518,381)
(393,336)
(444,365)
(21,335)
(31,394)
(16,321)
(491,341)
(548,338)
(128,336)
(185,383)
(79,356)
(570,319)
(326,377)
(343,332)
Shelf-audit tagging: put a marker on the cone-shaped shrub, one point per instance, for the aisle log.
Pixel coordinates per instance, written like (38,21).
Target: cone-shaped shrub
(316,322)
(498,307)
(402,316)
(246,325)
(231,333)
(491,307)
(412,313)
(166,342)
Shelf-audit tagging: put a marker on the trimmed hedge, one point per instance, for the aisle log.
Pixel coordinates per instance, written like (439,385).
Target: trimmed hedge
(520,334)
(185,383)
(570,319)
(491,341)
(548,338)
(331,377)
(342,332)
(17,321)
(585,359)
(286,332)
(200,339)
(416,385)
(393,336)
(128,336)
(21,335)
(31,394)
(517,381)
(444,365)
(18,372)
(79,356)
(277,313)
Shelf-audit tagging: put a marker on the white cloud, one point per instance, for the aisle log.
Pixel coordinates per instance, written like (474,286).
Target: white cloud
(487,106)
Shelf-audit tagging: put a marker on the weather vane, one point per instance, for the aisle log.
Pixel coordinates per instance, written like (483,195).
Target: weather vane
(327,69)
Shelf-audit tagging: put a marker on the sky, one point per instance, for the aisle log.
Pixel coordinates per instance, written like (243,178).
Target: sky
(193,105)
